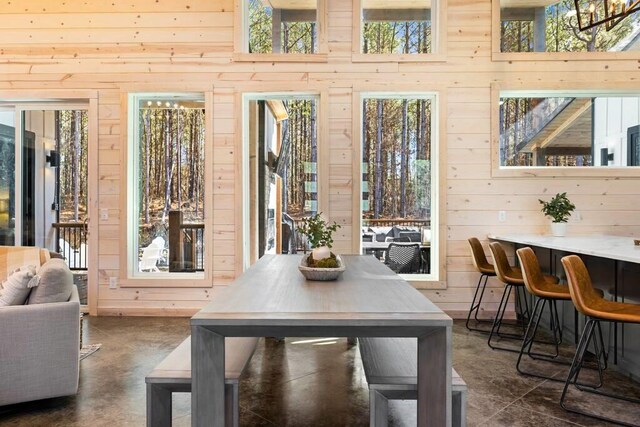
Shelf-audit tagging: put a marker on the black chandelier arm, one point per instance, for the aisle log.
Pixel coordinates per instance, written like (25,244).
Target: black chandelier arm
(610,19)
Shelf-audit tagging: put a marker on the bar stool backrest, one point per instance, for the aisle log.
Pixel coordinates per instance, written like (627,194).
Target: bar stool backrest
(478,257)
(500,261)
(580,287)
(531,272)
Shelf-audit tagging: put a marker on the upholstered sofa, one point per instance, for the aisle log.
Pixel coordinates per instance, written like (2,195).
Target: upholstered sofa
(39,343)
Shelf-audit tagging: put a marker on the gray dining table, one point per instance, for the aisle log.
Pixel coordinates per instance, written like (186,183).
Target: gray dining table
(272,298)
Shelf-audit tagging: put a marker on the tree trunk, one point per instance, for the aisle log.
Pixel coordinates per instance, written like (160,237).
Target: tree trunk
(403,160)
(147,166)
(378,171)
(77,126)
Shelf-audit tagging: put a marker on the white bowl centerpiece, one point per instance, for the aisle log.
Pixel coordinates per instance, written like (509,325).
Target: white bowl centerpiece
(321,263)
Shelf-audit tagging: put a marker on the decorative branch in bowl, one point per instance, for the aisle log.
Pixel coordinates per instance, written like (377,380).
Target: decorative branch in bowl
(321,263)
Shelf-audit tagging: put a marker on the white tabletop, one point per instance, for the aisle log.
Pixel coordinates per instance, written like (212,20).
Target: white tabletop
(603,246)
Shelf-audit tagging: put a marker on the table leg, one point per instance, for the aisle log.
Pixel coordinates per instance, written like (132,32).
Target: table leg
(434,378)
(207,387)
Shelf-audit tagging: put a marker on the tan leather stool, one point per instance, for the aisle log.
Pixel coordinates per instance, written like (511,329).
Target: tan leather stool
(486,270)
(512,279)
(544,291)
(596,309)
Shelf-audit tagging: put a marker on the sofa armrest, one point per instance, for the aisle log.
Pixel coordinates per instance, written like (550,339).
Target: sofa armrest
(39,350)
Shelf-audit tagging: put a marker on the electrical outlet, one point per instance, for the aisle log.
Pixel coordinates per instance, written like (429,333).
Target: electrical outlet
(502,216)
(113,282)
(104,214)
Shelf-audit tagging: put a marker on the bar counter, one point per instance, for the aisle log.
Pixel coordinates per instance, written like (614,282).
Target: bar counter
(614,266)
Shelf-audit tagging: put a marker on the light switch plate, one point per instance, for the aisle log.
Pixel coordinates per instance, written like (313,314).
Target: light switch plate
(113,282)
(502,216)
(104,214)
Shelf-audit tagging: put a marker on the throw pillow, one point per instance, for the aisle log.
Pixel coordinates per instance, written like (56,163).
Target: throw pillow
(55,282)
(15,290)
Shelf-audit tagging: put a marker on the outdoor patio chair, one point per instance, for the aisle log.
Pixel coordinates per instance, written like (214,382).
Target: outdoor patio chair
(151,255)
(403,258)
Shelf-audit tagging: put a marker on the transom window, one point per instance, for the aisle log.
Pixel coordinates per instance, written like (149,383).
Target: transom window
(282,26)
(552,26)
(399,27)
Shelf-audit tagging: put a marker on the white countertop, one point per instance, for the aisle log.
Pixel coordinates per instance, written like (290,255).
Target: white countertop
(603,246)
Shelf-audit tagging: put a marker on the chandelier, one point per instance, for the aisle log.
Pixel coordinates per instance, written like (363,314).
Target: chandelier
(608,12)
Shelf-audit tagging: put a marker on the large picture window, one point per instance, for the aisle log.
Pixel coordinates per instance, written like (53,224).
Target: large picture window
(552,26)
(573,129)
(396,185)
(166,183)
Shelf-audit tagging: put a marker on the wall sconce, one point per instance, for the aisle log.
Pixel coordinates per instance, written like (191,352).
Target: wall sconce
(53,159)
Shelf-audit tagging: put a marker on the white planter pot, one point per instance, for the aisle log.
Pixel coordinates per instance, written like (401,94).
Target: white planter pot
(559,229)
(321,252)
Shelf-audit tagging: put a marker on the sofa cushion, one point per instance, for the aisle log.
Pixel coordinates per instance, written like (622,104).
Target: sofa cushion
(55,282)
(15,290)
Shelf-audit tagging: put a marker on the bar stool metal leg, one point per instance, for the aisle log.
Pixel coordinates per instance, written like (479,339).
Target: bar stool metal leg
(475,305)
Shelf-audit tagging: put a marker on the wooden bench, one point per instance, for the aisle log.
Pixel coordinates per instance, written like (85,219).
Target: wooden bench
(173,374)
(390,365)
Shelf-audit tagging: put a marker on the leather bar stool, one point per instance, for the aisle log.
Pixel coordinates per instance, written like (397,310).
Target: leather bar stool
(486,270)
(545,291)
(596,309)
(512,279)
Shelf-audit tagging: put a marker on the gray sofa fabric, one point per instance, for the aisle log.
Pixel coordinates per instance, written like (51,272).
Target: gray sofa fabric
(39,350)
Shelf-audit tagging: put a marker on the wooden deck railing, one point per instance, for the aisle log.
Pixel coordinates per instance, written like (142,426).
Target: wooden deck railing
(186,244)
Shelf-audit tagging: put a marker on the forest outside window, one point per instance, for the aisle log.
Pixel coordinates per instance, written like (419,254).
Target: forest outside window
(403,27)
(166,184)
(569,129)
(396,198)
(282,26)
(552,26)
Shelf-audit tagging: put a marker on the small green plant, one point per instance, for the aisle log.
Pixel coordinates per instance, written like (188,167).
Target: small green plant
(318,231)
(559,208)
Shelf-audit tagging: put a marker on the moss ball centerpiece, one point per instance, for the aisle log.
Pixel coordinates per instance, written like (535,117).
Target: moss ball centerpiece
(321,264)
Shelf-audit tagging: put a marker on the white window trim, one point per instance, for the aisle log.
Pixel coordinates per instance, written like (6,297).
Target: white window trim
(436,237)
(132,196)
(551,90)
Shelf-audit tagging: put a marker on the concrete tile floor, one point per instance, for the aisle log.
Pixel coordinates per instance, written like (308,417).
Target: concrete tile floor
(289,384)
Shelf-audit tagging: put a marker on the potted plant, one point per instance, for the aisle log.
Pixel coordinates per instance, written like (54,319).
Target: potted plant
(559,209)
(319,263)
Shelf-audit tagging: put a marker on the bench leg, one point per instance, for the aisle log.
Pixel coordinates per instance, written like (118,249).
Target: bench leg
(378,409)
(158,406)
(232,402)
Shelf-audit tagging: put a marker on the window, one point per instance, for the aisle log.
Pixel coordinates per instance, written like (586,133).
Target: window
(282,26)
(552,26)
(397,187)
(546,128)
(404,27)
(281,149)
(166,200)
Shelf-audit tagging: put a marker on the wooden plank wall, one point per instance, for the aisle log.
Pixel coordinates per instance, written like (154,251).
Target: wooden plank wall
(125,45)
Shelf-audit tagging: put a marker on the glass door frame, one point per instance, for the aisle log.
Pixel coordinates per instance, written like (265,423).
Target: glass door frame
(53,100)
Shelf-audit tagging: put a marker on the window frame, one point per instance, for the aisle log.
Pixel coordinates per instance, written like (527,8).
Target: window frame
(244,193)
(497,55)
(437,278)
(439,42)
(241,38)
(542,90)
(129,276)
